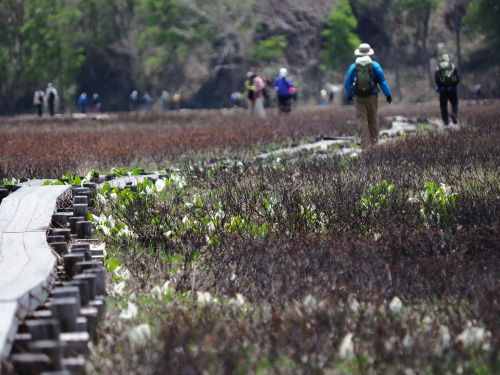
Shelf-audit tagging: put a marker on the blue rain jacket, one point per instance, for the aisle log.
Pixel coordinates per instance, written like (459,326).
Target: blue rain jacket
(378,77)
(283,85)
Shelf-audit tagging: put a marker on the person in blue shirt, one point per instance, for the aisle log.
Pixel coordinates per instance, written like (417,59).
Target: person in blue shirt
(284,88)
(82,102)
(366,98)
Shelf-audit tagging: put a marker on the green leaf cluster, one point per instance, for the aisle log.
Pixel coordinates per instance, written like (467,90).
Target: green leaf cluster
(339,36)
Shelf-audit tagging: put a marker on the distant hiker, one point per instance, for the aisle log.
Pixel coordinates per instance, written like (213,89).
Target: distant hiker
(268,86)
(477,90)
(38,101)
(177,100)
(441,50)
(96,103)
(250,90)
(323,97)
(235,99)
(51,98)
(82,102)
(258,95)
(283,86)
(164,100)
(447,79)
(147,100)
(133,100)
(331,89)
(362,84)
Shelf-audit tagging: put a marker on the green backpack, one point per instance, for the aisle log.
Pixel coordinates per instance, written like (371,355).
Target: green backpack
(363,84)
(447,76)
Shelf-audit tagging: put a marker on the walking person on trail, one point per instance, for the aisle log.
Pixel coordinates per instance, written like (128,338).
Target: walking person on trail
(96,103)
(477,90)
(364,80)
(177,100)
(164,100)
(249,91)
(447,79)
(38,101)
(283,86)
(51,98)
(258,95)
(82,102)
(133,100)
(236,99)
(147,100)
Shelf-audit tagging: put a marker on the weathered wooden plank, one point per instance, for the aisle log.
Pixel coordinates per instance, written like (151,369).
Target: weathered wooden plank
(123,181)
(24,210)
(26,261)
(45,207)
(8,326)
(38,265)
(14,259)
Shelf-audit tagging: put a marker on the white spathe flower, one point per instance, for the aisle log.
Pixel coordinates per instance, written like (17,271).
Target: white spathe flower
(101,199)
(474,337)
(238,301)
(346,348)
(310,301)
(354,306)
(186,222)
(156,292)
(204,298)
(166,287)
(211,227)
(126,232)
(168,233)
(105,230)
(160,185)
(233,277)
(111,221)
(396,305)
(130,312)
(139,335)
(408,341)
(125,275)
(149,190)
(444,336)
(118,289)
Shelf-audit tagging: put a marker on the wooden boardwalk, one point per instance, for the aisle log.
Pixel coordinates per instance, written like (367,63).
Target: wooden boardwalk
(26,260)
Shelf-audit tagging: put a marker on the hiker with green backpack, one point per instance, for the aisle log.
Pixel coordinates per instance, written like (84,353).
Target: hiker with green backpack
(447,79)
(364,80)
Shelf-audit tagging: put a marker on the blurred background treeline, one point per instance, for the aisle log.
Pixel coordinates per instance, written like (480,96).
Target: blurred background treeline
(204,47)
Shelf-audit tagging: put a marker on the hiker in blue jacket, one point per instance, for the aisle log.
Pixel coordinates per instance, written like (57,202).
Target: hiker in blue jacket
(284,88)
(363,80)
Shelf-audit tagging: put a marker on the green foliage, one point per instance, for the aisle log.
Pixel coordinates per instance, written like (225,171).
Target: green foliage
(438,202)
(269,49)
(172,28)
(52,42)
(339,38)
(377,196)
(482,16)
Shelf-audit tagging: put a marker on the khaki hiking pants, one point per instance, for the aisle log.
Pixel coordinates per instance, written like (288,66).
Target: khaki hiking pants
(366,116)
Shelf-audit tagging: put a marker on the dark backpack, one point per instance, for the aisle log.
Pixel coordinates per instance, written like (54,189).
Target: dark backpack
(52,97)
(447,73)
(363,84)
(40,98)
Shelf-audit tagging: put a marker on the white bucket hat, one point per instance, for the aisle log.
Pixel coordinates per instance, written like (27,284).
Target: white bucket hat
(364,49)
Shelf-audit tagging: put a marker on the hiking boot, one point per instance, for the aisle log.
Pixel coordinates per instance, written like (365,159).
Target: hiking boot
(454,118)
(445,123)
